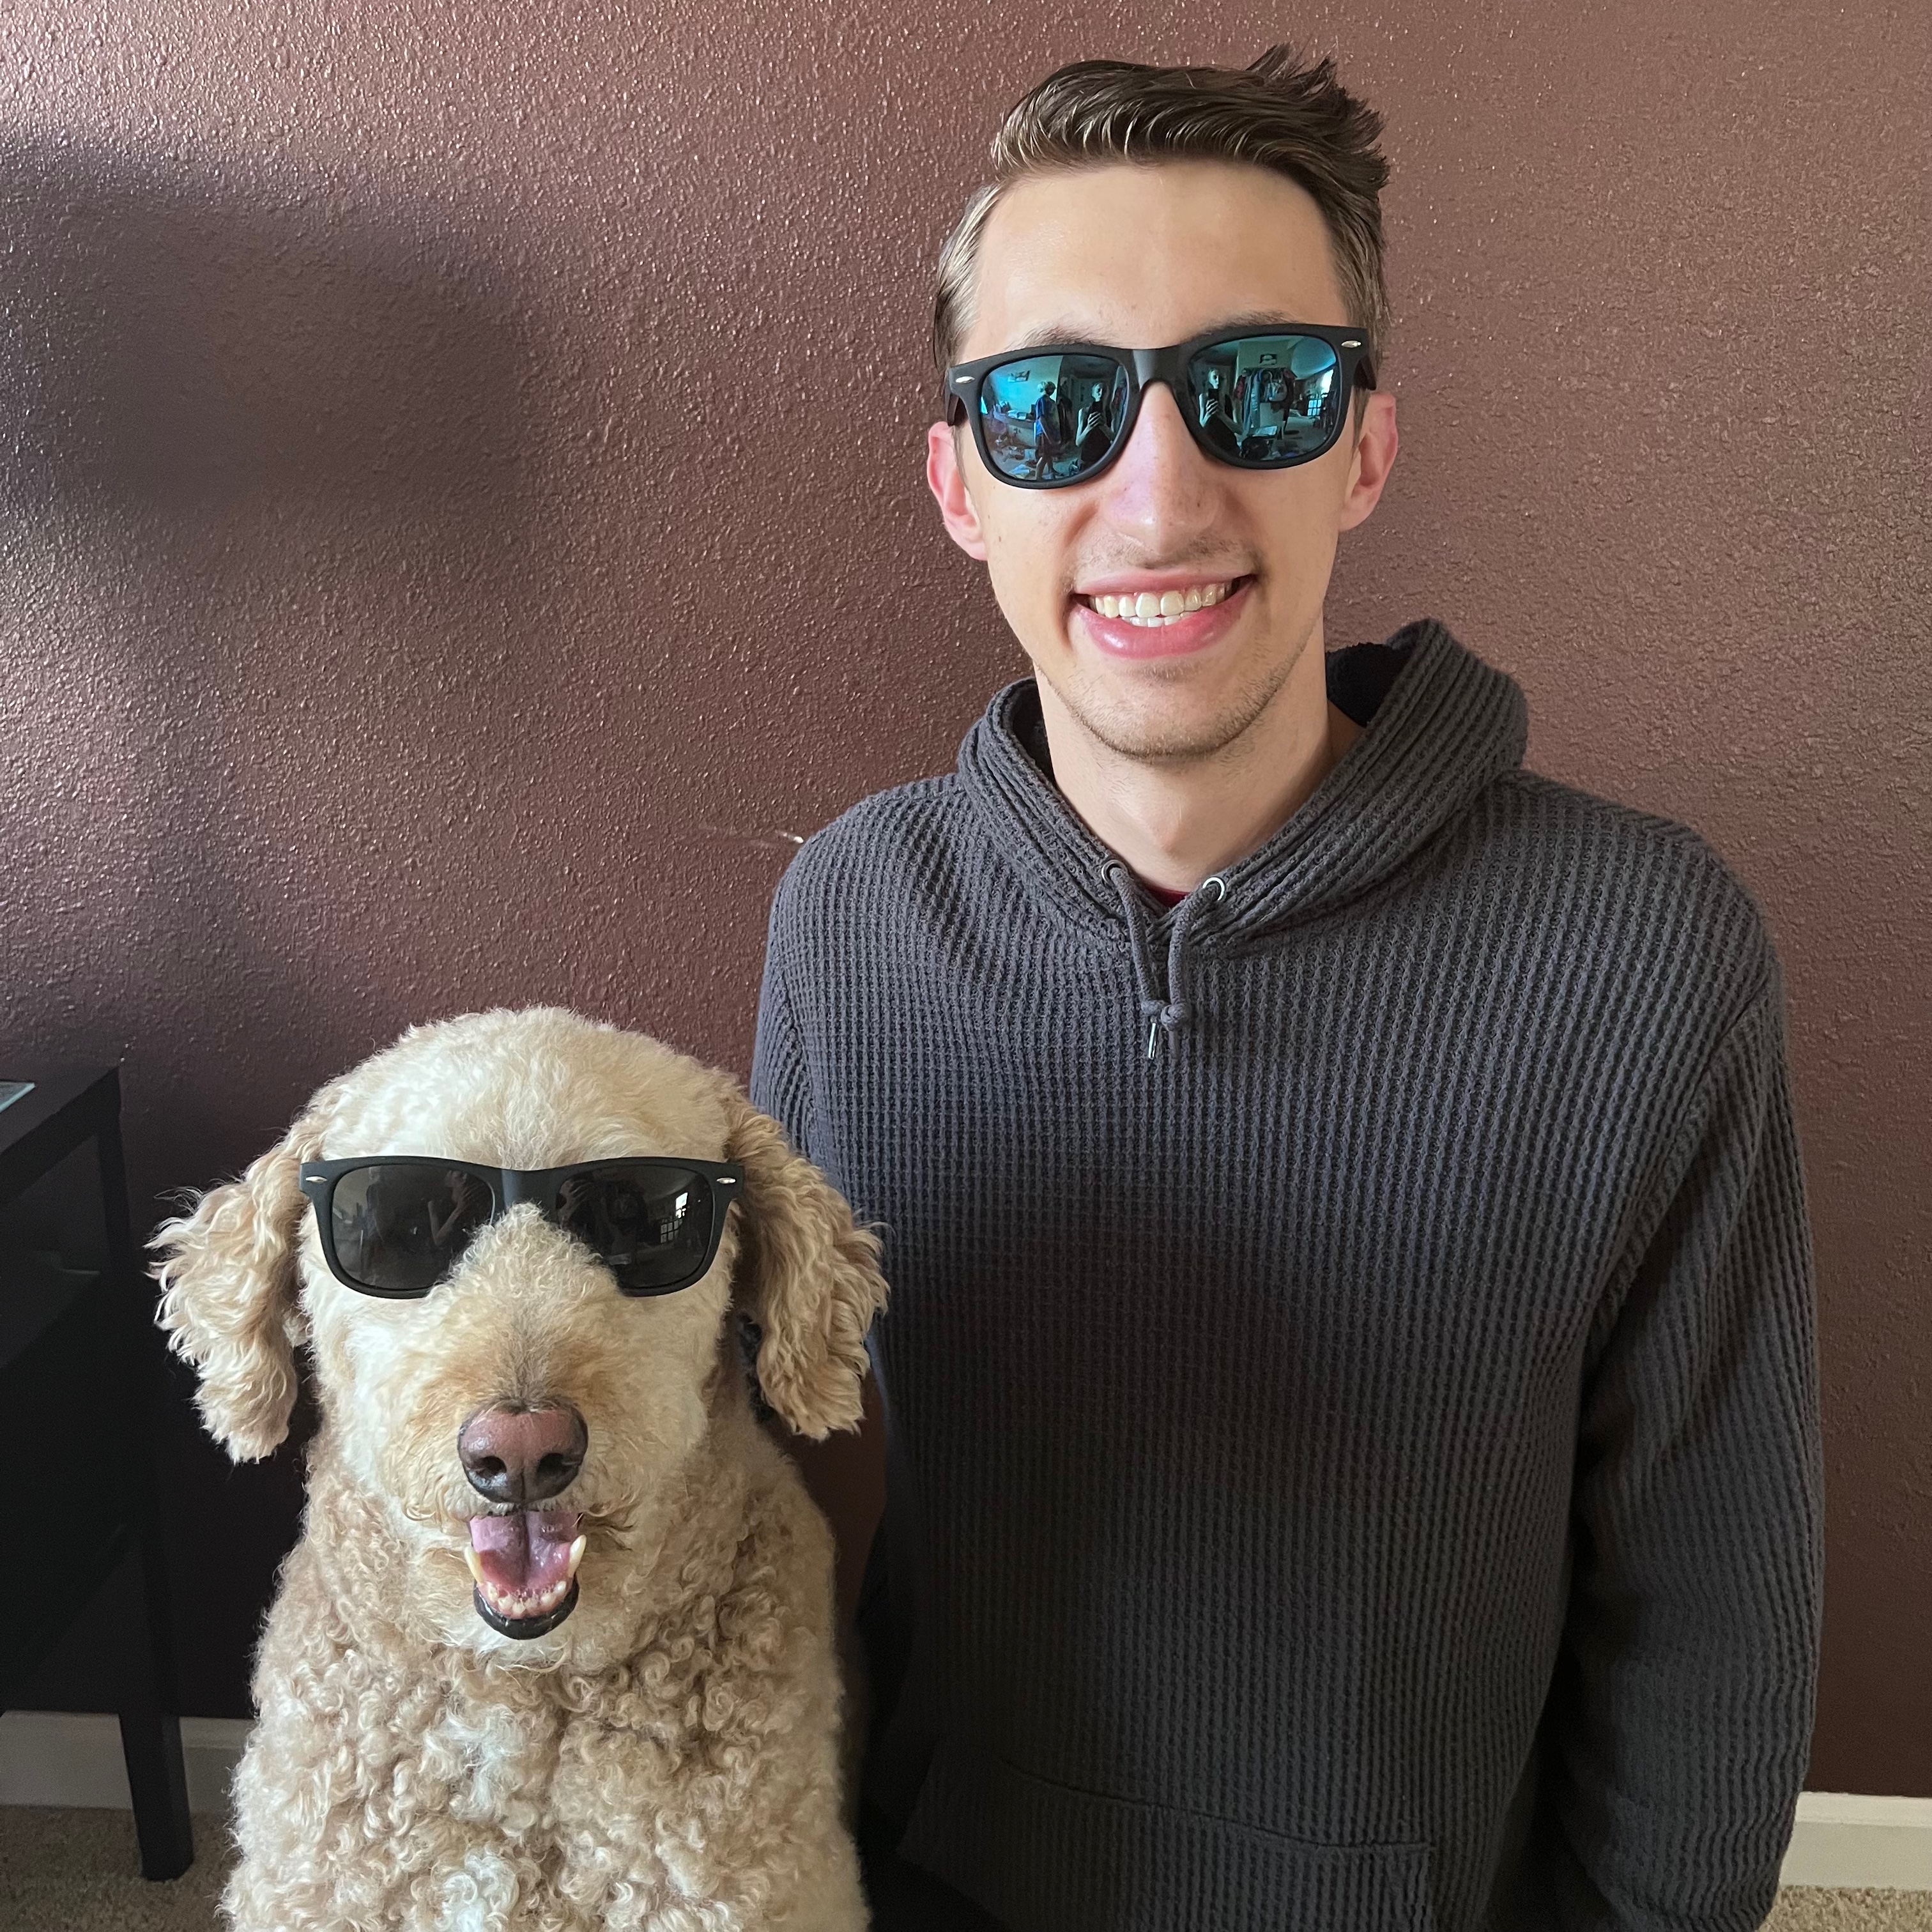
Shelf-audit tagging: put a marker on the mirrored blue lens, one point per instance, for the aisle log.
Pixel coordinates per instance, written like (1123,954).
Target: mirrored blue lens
(1049,418)
(1267,399)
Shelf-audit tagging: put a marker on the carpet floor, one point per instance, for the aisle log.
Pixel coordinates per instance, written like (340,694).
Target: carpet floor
(76,1871)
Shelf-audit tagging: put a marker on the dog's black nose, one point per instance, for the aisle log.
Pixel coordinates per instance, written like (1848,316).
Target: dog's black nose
(521,1456)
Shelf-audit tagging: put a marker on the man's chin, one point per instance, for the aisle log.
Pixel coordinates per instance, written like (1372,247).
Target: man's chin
(1182,710)
(1163,721)
(1165,745)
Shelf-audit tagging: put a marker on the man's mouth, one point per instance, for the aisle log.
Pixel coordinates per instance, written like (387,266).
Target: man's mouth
(1127,621)
(1150,609)
(524,1567)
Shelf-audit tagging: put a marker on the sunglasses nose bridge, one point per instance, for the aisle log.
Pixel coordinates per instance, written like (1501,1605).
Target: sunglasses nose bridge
(1175,442)
(513,1188)
(1152,366)
(1167,368)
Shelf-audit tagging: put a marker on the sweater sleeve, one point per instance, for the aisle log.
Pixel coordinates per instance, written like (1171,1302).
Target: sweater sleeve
(781,1082)
(1676,1739)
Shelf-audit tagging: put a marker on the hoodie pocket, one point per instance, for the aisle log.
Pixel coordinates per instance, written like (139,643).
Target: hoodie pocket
(1043,1857)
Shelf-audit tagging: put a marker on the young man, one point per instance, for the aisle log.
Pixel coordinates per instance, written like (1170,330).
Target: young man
(1352,1442)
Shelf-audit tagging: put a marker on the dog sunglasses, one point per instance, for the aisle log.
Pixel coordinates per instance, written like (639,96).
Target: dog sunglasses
(1047,417)
(395,1226)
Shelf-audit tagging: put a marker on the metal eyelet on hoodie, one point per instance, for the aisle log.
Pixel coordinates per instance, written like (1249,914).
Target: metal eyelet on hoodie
(1172,1013)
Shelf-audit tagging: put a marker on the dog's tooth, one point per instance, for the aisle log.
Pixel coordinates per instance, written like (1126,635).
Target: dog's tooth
(476,1569)
(577,1550)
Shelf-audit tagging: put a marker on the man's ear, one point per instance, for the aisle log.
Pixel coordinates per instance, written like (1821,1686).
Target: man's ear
(946,480)
(229,1306)
(806,1275)
(1370,459)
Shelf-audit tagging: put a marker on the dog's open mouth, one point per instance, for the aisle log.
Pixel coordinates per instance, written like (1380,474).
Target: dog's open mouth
(524,1564)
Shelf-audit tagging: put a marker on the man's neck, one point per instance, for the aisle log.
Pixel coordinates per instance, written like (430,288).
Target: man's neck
(1175,823)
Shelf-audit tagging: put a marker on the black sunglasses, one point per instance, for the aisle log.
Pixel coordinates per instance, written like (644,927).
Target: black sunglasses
(1054,415)
(396,1225)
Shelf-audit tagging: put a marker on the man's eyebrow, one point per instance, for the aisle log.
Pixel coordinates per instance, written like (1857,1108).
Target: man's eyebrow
(1254,318)
(1052,334)
(1046,335)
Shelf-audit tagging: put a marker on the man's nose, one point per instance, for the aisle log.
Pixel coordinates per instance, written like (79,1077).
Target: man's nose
(1162,483)
(516,1455)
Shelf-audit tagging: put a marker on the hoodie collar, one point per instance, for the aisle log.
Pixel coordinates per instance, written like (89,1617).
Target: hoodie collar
(1443,726)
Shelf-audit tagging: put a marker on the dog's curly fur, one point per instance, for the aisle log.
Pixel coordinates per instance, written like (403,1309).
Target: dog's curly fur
(668,1757)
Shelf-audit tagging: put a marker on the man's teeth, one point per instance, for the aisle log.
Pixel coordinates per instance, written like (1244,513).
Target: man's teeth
(509,1605)
(1161,607)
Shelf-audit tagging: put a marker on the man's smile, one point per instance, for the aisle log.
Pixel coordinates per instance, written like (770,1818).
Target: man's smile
(1132,617)
(1155,601)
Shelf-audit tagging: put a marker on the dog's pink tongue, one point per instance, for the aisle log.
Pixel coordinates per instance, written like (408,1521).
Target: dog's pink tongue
(522,1555)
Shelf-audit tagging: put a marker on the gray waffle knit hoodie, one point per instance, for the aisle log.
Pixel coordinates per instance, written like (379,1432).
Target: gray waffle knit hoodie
(1354,1465)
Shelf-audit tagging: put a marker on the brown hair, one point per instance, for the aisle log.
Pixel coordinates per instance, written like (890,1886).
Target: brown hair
(1278,113)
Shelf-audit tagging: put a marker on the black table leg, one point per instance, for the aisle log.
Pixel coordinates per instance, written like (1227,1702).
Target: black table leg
(151,1742)
(150,1724)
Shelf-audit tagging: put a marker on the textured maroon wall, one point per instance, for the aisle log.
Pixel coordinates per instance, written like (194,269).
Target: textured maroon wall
(385,632)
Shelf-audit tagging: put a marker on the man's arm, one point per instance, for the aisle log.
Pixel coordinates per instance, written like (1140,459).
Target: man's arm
(1675,1743)
(845,1474)
(780,1083)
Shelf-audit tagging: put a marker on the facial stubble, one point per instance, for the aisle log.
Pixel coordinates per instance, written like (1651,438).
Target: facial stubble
(1144,732)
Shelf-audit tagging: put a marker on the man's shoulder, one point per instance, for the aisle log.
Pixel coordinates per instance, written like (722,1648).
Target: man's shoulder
(873,851)
(1653,886)
(1620,840)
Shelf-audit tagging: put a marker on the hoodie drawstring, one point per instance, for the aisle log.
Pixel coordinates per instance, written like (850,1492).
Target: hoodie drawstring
(1173,1012)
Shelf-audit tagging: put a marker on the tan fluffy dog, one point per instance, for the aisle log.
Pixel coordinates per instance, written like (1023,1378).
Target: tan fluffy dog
(666,1757)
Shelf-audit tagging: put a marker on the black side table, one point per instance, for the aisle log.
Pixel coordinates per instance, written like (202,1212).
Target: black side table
(79,1385)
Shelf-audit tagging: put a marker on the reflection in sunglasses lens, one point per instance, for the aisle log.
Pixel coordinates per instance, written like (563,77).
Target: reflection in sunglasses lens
(399,1229)
(1264,399)
(1049,419)
(649,1226)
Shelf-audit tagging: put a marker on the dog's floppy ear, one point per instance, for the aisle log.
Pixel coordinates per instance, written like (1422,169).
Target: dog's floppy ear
(229,1300)
(806,1275)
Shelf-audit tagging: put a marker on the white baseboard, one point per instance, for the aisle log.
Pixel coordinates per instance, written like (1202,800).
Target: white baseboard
(73,1758)
(1843,1840)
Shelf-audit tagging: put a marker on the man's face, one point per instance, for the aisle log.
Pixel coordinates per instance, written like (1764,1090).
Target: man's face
(1140,256)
